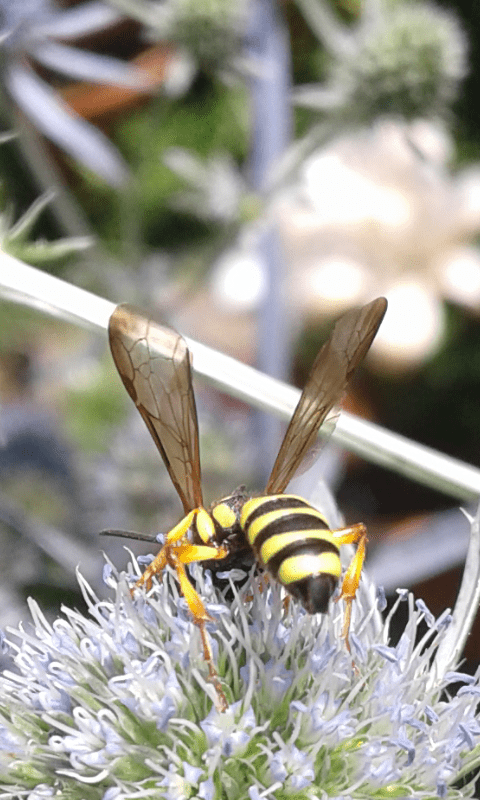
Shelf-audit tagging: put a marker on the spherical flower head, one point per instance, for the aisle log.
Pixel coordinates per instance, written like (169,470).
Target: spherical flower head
(410,63)
(211,32)
(117,704)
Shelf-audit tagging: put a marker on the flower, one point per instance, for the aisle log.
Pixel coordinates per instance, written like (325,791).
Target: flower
(211,34)
(376,209)
(404,59)
(116,703)
(379,211)
(34,32)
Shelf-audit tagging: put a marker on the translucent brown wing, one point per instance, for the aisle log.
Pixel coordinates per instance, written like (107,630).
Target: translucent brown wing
(332,369)
(154,365)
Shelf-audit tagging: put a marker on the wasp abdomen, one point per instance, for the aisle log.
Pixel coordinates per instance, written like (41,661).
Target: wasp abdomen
(292,540)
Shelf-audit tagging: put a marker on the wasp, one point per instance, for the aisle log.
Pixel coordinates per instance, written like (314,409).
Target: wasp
(286,535)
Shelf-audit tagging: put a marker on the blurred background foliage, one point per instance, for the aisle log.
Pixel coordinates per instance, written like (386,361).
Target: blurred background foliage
(165,140)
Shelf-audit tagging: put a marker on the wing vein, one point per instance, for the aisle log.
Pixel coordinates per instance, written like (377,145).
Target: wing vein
(154,365)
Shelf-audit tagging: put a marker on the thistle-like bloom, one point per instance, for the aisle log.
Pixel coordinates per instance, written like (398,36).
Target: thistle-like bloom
(211,33)
(38,32)
(116,704)
(405,59)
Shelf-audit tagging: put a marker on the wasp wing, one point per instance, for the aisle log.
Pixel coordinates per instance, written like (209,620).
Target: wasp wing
(154,365)
(332,369)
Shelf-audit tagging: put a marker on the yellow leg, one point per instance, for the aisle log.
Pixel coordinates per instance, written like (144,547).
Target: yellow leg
(187,554)
(161,559)
(176,553)
(181,528)
(201,617)
(154,568)
(355,534)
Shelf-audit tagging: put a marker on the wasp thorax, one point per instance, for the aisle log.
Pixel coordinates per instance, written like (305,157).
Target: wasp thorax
(224,514)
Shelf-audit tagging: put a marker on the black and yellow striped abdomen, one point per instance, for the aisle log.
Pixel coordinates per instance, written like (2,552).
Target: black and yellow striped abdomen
(292,540)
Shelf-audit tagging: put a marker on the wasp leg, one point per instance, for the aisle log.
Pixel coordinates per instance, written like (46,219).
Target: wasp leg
(187,553)
(161,559)
(176,554)
(199,612)
(355,534)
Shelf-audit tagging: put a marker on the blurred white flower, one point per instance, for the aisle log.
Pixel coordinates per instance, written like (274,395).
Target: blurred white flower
(214,189)
(378,212)
(414,325)
(238,280)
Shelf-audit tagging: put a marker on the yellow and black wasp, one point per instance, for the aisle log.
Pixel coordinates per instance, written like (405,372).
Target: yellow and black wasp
(286,535)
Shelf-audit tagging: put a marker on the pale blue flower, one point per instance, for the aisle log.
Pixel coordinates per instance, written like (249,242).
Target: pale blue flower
(118,703)
(35,32)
